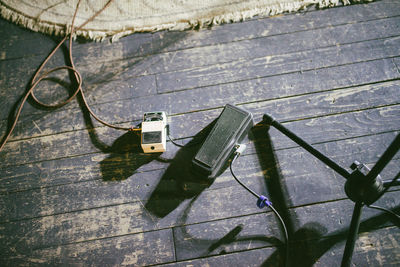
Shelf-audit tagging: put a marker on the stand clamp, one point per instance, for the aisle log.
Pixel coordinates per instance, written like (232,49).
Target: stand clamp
(360,189)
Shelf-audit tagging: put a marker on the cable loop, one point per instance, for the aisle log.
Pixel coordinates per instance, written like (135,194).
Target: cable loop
(44,76)
(37,79)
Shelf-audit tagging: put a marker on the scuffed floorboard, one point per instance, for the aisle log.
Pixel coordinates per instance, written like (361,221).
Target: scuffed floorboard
(73,192)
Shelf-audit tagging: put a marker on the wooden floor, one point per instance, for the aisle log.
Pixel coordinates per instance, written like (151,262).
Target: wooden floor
(74,192)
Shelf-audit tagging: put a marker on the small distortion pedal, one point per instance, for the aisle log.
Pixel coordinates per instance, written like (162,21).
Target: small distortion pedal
(231,127)
(154,132)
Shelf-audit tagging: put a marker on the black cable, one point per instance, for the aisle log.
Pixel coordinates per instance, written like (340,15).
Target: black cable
(173,141)
(38,77)
(242,184)
(390,185)
(286,234)
(189,144)
(385,210)
(269,205)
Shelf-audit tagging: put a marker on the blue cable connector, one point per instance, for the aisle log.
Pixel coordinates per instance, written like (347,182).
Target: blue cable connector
(263,201)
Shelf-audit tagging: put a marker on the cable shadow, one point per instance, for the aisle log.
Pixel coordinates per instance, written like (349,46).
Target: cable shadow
(69,86)
(203,247)
(11,117)
(178,181)
(62,84)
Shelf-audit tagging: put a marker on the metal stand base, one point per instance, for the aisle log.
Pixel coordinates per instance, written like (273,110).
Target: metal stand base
(363,186)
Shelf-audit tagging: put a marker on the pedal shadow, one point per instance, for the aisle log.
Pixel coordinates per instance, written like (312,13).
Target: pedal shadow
(179,182)
(125,157)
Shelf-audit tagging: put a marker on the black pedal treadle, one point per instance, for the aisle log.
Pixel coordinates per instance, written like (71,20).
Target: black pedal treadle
(231,127)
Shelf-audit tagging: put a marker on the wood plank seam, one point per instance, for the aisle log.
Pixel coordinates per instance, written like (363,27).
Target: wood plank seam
(284,121)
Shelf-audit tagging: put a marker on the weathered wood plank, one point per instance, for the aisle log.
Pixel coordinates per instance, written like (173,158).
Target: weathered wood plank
(372,248)
(89,143)
(255,28)
(134,250)
(184,125)
(97,193)
(283,109)
(277,44)
(21,152)
(248,232)
(397,63)
(213,96)
(128,219)
(137,86)
(277,64)
(274,87)
(368,251)
(299,170)
(251,258)
(41,44)
(321,128)
(98,88)
(125,149)
(64,171)
(284,24)
(202,56)
(103,88)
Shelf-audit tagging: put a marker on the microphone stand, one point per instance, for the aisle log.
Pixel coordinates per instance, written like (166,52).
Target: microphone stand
(363,186)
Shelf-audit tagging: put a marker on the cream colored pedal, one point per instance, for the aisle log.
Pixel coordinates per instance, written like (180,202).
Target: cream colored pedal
(154,132)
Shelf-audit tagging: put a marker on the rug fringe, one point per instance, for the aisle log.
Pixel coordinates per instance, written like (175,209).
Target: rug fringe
(42,26)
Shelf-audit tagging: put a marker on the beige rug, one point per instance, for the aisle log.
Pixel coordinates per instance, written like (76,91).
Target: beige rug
(124,17)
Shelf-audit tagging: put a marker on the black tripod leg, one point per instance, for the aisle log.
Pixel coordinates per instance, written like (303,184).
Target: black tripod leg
(352,235)
(385,158)
(271,121)
(390,183)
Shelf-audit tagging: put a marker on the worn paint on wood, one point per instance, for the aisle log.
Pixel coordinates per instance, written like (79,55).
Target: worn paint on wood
(73,192)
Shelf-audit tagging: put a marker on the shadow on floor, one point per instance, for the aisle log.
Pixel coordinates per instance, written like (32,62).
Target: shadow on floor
(277,192)
(179,182)
(125,157)
(307,242)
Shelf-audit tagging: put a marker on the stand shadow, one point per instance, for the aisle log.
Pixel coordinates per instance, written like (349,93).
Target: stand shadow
(308,243)
(278,193)
(179,182)
(300,251)
(276,187)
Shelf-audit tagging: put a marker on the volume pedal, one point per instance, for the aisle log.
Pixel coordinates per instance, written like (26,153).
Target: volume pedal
(231,127)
